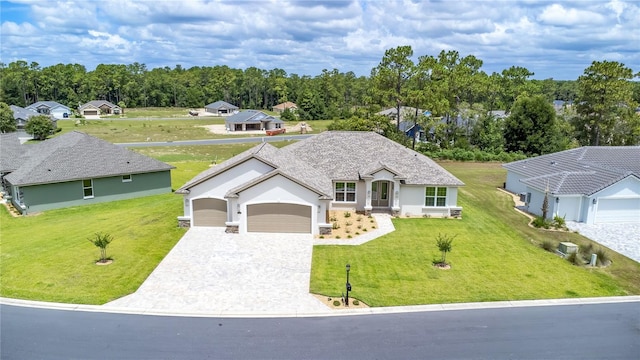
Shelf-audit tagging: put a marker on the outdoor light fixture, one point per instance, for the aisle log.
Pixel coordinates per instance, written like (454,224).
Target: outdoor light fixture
(594,201)
(557,200)
(346,300)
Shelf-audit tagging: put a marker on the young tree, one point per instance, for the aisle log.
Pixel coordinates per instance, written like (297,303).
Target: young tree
(605,105)
(39,126)
(7,121)
(444,245)
(531,128)
(101,240)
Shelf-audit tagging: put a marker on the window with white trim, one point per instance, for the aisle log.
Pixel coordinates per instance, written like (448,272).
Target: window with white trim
(435,196)
(87,188)
(126,178)
(345,191)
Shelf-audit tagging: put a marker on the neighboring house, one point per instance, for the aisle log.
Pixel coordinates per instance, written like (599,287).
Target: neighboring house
(10,156)
(99,107)
(412,130)
(51,108)
(252,120)
(292,189)
(589,184)
(498,114)
(22,115)
(76,169)
(284,106)
(221,108)
(406,112)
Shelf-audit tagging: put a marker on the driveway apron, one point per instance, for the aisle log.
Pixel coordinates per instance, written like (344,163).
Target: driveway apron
(209,270)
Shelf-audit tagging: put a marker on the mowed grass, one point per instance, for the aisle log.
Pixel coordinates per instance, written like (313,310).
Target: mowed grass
(47,256)
(495,256)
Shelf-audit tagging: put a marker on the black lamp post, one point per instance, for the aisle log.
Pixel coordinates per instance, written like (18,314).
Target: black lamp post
(346,301)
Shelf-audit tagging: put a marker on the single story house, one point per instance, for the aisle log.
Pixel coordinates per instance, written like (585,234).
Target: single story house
(591,184)
(412,130)
(292,189)
(76,169)
(284,106)
(22,115)
(252,120)
(99,107)
(406,112)
(221,108)
(51,108)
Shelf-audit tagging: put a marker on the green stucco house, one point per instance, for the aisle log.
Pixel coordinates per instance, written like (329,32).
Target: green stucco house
(77,169)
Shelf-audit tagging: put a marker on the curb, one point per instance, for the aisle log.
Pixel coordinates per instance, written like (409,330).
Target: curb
(330,313)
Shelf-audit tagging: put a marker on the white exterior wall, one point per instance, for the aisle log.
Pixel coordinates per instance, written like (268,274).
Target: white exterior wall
(412,199)
(514,184)
(628,188)
(58,112)
(361,197)
(569,208)
(220,184)
(278,189)
(535,205)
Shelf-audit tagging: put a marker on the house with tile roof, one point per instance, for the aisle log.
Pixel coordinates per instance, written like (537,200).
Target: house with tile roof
(77,169)
(292,189)
(249,120)
(221,108)
(591,184)
(99,107)
(55,110)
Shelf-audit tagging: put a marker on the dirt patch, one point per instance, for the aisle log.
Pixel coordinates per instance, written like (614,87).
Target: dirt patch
(329,301)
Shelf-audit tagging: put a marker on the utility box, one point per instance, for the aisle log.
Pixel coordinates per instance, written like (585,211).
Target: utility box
(567,248)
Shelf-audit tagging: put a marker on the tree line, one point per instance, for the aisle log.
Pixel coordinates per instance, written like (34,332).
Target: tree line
(600,104)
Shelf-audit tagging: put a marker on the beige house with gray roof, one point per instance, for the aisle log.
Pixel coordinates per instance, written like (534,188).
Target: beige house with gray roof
(292,189)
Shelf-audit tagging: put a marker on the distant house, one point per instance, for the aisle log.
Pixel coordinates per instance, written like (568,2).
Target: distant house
(412,130)
(51,108)
(99,107)
(221,108)
(591,184)
(76,169)
(406,112)
(22,115)
(252,120)
(284,106)
(498,114)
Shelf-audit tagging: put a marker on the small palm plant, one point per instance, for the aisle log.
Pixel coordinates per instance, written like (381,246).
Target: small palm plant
(101,240)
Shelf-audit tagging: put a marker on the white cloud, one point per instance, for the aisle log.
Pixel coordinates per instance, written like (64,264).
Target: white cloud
(557,15)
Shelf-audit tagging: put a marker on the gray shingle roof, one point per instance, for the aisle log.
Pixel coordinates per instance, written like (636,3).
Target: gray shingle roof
(22,113)
(98,103)
(48,104)
(76,155)
(350,155)
(11,152)
(282,163)
(221,105)
(251,117)
(584,170)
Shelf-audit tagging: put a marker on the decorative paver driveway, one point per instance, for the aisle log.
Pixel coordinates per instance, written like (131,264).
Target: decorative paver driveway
(622,238)
(211,271)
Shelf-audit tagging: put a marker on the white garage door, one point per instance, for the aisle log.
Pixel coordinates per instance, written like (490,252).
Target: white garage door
(618,211)
(279,218)
(209,212)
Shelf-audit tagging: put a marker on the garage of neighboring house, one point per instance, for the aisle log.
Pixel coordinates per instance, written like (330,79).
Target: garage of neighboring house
(90,112)
(279,218)
(209,212)
(626,210)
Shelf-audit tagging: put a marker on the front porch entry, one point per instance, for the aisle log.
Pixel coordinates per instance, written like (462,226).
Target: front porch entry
(380,194)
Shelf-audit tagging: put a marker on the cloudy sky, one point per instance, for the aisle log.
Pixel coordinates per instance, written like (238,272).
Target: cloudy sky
(553,39)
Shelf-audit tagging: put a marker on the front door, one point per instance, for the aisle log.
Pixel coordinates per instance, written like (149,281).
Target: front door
(380,194)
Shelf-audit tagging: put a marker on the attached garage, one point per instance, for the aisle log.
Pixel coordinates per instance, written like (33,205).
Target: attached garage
(618,211)
(279,218)
(90,112)
(209,212)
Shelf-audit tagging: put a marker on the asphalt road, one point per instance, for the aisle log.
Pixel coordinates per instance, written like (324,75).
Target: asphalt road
(597,331)
(235,140)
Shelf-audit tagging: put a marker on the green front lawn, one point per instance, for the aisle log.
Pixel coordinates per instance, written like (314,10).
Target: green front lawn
(495,256)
